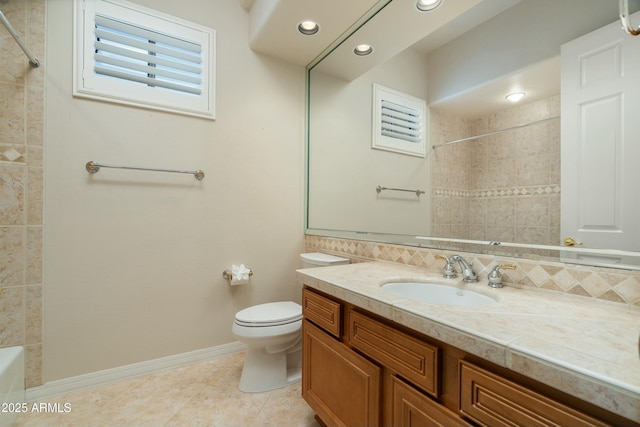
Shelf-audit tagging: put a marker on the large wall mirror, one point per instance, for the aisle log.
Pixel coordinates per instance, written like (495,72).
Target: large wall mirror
(490,179)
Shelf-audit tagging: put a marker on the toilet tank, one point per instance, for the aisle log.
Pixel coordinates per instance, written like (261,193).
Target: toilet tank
(318,259)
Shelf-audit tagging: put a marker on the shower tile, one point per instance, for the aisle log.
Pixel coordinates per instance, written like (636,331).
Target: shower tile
(35,156)
(11,316)
(11,256)
(501,212)
(533,170)
(12,187)
(35,116)
(34,255)
(33,365)
(33,316)
(11,154)
(532,211)
(34,195)
(12,107)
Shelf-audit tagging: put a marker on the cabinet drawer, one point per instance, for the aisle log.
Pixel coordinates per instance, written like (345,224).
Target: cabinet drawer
(411,358)
(412,408)
(322,311)
(495,401)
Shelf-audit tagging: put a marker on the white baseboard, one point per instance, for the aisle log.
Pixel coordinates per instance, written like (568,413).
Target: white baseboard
(67,385)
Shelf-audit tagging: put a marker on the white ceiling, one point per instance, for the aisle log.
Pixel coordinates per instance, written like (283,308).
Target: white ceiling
(274,25)
(273,31)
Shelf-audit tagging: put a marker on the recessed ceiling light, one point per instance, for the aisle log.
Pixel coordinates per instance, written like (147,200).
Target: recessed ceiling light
(308,27)
(515,97)
(427,5)
(363,49)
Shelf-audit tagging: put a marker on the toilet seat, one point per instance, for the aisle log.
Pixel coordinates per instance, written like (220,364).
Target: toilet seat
(269,314)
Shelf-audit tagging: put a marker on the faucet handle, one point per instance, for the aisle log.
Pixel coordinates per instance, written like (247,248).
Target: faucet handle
(495,277)
(448,272)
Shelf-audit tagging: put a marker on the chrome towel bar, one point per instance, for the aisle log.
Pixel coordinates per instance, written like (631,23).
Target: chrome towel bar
(380,188)
(93,167)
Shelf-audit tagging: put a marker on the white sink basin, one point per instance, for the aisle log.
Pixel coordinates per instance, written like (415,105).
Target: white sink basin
(437,293)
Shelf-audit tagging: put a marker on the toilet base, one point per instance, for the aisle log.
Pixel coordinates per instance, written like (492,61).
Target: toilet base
(264,371)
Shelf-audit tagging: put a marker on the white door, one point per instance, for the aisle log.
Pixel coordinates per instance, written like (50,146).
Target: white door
(601,139)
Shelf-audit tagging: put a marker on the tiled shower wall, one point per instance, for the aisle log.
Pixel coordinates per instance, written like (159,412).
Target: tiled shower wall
(503,187)
(21,183)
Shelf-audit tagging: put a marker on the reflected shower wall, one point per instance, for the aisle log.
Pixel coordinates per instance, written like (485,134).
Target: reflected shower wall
(503,187)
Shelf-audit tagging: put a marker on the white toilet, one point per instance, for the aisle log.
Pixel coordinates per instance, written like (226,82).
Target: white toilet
(273,335)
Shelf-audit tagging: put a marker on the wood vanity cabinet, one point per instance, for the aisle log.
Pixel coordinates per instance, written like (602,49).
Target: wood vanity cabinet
(341,386)
(492,400)
(411,408)
(362,370)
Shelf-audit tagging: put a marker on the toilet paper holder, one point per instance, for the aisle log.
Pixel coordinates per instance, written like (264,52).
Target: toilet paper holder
(227,274)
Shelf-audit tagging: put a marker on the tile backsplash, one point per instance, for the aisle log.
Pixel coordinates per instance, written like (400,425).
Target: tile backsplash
(615,285)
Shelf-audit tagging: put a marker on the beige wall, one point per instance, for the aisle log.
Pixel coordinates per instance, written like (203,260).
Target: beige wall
(133,260)
(345,170)
(21,146)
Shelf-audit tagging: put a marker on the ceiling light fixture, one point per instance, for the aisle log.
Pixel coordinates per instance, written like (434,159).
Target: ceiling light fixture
(308,27)
(515,97)
(363,49)
(427,5)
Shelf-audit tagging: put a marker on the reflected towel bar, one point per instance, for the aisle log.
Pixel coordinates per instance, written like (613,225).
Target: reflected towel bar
(380,188)
(93,167)
(32,59)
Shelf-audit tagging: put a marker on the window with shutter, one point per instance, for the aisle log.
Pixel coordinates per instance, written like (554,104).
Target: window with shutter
(400,122)
(132,55)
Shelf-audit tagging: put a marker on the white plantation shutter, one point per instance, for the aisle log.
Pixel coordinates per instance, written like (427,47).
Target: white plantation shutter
(400,122)
(136,54)
(132,55)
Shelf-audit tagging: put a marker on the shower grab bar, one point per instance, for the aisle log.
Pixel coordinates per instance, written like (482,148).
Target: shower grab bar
(93,167)
(380,188)
(32,59)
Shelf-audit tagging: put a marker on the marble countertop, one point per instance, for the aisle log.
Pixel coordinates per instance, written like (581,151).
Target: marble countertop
(582,346)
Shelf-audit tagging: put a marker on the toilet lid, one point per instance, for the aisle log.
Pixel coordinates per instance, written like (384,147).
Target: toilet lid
(270,314)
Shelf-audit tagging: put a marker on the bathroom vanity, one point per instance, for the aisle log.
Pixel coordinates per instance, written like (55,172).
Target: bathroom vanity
(533,358)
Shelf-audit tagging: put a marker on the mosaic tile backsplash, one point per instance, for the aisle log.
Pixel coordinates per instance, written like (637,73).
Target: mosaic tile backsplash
(620,286)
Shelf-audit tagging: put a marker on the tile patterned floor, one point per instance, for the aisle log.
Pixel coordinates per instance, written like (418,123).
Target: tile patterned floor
(202,394)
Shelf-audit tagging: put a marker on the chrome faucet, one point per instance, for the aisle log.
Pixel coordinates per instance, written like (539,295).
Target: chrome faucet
(469,275)
(449,271)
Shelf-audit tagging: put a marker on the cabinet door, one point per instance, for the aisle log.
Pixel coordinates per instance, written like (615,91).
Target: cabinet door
(412,409)
(342,387)
(495,401)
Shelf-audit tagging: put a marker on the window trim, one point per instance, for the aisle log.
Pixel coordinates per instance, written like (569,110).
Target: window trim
(88,84)
(415,145)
